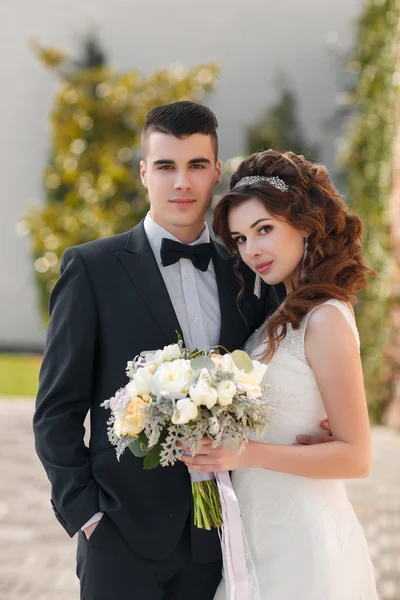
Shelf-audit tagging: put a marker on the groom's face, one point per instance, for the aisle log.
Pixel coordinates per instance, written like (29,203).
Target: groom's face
(180,175)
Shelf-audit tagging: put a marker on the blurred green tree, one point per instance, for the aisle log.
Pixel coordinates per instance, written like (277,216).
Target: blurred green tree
(91,183)
(366,157)
(279,128)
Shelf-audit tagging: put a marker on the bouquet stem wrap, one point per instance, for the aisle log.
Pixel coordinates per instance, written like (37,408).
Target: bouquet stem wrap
(215,501)
(206,500)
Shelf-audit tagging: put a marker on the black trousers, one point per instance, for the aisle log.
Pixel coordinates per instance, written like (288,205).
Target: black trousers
(108,569)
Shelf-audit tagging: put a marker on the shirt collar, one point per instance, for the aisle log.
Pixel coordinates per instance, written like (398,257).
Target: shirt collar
(155,234)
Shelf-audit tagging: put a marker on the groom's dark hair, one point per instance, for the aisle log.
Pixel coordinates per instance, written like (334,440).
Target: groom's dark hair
(181,119)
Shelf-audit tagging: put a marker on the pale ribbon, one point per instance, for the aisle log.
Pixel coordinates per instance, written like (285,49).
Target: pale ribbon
(233,552)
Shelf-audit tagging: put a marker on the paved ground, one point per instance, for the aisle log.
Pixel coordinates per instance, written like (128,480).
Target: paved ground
(37,558)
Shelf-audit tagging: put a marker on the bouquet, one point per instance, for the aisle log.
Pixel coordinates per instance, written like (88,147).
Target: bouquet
(176,397)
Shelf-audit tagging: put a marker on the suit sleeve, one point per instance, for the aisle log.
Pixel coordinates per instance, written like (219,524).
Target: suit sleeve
(65,394)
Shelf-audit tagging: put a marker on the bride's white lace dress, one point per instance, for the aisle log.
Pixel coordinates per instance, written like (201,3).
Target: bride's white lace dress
(305,540)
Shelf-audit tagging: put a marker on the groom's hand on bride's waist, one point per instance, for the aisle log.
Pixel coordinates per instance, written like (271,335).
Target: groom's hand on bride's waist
(317,439)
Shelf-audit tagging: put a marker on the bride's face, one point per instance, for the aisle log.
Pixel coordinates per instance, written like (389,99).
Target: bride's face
(266,243)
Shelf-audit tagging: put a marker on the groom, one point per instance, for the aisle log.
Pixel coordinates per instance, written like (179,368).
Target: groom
(115,298)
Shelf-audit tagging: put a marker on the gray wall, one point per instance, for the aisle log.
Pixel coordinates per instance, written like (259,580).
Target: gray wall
(253,42)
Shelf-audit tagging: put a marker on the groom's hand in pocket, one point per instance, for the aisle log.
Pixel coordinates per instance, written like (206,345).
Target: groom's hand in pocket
(89,529)
(309,440)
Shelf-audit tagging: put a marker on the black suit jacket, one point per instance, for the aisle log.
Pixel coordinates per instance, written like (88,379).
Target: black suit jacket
(109,305)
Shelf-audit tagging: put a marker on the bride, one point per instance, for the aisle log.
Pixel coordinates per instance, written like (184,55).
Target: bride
(284,218)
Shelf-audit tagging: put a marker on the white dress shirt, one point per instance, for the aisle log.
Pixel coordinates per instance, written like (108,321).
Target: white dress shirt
(193,293)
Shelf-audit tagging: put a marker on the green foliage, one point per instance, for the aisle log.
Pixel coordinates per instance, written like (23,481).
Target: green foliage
(91,184)
(19,374)
(366,158)
(280,130)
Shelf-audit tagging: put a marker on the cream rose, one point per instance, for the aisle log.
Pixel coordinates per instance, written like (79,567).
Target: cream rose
(133,421)
(186,411)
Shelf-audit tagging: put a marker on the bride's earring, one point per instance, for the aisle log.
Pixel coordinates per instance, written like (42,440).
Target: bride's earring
(257,286)
(305,254)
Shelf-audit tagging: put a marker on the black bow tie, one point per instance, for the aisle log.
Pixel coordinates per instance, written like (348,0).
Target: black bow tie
(199,254)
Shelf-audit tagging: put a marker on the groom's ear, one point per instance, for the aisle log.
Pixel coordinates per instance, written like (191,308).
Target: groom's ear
(143,173)
(218,167)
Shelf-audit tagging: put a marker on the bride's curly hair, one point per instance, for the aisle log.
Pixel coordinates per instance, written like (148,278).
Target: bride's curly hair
(334,264)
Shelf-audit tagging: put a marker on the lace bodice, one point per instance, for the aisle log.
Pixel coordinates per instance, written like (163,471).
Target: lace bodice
(290,388)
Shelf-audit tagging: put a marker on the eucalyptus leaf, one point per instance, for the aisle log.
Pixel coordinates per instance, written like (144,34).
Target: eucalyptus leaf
(242,360)
(202,362)
(152,458)
(137,450)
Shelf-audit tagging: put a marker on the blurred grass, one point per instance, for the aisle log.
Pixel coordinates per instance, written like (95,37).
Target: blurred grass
(19,374)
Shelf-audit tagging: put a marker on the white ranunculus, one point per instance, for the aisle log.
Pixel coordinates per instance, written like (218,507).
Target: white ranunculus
(255,376)
(173,377)
(172,352)
(203,394)
(143,379)
(186,411)
(226,390)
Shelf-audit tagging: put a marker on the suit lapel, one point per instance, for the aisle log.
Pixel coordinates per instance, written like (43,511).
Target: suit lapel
(139,262)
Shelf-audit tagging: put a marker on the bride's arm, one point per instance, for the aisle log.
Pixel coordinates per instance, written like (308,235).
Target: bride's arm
(333,355)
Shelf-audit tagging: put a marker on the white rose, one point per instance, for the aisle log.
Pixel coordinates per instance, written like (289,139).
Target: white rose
(143,379)
(154,356)
(131,389)
(172,352)
(151,367)
(186,411)
(202,393)
(152,361)
(226,390)
(252,391)
(228,364)
(173,377)
(217,360)
(255,376)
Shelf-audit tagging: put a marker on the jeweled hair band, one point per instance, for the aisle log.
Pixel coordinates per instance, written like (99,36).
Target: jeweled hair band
(277,182)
